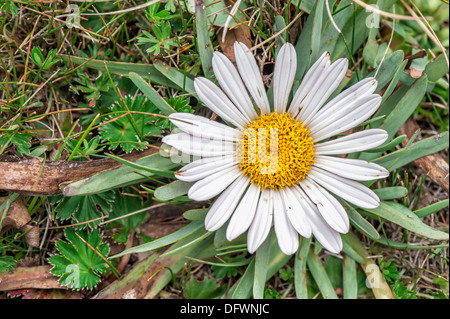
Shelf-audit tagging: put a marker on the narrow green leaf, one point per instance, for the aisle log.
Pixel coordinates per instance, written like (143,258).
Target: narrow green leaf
(402,216)
(436,69)
(168,174)
(242,289)
(151,94)
(350,282)
(359,222)
(387,146)
(405,107)
(122,68)
(301,257)
(172,190)
(205,47)
(393,192)
(181,79)
(119,177)
(417,150)
(320,276)
(261,264)
(164,241)
(431,209)
(196,214)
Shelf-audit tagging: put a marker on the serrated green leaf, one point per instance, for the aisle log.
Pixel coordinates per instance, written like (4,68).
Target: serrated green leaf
(82,209)
(206,289)
(402,216)
(79,266)
(129,131)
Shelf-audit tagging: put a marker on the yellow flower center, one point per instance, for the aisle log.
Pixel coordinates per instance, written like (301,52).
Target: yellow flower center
(275,151)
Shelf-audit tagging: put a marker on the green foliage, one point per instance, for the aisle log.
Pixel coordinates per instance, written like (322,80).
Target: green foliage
(44,63)
(7,263)
(20,140)
(160,40)
(128,201)
(206,289)
(129,131)
(81,262)
(82,209)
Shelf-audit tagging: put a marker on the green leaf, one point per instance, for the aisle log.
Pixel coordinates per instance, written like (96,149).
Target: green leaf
(402,216)
(206,289)
(183,80)
(85,208)
(129,131)
(119,177)
(405,107)
(78,265)
(129,202)
(350,283)
(417,150)
(164,241)
(7,263)
(151,94)
(436,69)
(320,276)
(122,68)
(301,256)
(393,192)
(431,209)
(196,214)
(205,47)
(261,264)
(359,222)
(172,190)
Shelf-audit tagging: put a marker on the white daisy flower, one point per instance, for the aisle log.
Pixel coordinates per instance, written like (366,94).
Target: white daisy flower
(277,165)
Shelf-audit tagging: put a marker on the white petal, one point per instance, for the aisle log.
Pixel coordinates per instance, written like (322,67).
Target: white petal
(204,167)
(340,104)
(198,146)
(283,76)
(218,102)
(355,142)
(329,238)
(287,237)
(248,69)
(261,224)
(214,184)
(347,189)
(225,204)
(369,105)
(322,90)
(244,213)
(328,206)
(202,127)
(231,83)
(351,168)
(314,75)
(296,212)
